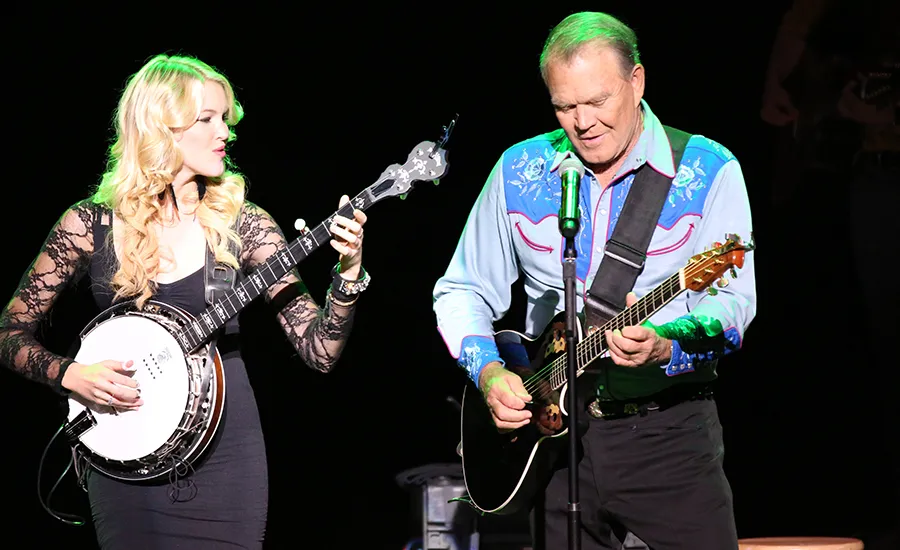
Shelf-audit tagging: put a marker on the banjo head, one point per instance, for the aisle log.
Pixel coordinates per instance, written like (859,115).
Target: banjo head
(183,393)
(165,381)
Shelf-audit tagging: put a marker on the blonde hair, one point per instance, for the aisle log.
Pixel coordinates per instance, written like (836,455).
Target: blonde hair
(165,95)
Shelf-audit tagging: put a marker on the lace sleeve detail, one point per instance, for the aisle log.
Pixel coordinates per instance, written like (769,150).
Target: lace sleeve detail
(318,334)
(63,257)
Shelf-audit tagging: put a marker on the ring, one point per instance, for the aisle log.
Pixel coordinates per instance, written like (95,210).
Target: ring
(109,403)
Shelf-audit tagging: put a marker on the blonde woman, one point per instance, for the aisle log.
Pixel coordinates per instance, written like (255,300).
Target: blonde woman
(167,198)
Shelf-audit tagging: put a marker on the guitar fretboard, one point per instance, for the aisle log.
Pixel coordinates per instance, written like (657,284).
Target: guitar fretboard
(594,345)
(266,275)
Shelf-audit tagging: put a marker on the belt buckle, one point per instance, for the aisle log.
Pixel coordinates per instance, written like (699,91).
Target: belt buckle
(595,410)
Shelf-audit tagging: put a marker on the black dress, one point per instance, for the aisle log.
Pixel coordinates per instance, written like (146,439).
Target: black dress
(222,501)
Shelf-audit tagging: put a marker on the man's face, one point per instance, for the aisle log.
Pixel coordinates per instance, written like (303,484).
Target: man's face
(596,104)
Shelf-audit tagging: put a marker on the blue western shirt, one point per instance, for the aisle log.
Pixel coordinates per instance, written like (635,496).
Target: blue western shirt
(512,231)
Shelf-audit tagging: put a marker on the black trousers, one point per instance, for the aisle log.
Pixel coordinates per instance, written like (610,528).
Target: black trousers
(658,476)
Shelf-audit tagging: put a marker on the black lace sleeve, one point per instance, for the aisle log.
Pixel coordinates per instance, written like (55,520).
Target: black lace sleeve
(319,335)
(63,258)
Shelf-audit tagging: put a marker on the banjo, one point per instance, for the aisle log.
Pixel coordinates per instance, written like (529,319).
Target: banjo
(176,362)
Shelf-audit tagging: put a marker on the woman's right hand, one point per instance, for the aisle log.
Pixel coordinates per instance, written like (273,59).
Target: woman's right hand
(106,383)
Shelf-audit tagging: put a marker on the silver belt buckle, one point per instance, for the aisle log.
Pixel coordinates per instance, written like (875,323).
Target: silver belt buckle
(594,409)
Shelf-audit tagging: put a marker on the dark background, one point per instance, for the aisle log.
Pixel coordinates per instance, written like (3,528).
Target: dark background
(332,97)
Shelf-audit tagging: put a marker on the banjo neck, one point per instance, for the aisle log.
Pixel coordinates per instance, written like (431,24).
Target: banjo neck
(196,334)
(426,162)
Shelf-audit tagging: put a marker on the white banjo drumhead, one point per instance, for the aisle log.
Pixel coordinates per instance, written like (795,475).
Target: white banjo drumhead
(162,373)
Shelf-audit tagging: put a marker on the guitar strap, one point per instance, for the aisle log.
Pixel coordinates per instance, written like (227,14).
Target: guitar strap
(626,250)
(219,278)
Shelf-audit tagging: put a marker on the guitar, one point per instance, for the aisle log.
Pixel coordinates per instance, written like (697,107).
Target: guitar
(177,364)
(821,137)
(504,471)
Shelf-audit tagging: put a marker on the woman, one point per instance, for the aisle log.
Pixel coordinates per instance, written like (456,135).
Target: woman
(165,201)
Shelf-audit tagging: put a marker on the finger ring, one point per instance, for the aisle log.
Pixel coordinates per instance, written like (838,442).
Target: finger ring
(109,403)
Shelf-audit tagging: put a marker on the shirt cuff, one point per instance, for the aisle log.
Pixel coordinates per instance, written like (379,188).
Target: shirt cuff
(680,363)
(475,353)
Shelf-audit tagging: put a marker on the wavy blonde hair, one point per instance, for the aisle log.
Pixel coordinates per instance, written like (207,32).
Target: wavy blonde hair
(164,96)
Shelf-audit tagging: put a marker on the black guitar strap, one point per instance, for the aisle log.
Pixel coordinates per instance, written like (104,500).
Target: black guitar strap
(626,250)
(220,278)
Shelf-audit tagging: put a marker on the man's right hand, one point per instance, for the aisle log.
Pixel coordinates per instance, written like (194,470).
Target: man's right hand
(107,383)
(505,396)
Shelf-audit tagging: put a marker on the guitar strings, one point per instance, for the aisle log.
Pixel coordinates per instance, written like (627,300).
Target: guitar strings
(536,384)
(556,369)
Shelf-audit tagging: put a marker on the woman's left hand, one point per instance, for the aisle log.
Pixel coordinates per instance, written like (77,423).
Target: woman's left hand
(348,237)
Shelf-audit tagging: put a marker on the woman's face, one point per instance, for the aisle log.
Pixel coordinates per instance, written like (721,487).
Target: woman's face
(202,144)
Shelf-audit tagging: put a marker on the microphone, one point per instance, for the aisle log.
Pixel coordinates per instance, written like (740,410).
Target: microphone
(571,171)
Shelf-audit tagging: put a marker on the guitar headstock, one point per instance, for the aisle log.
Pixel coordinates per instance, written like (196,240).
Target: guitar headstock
(710,266)
(426,162)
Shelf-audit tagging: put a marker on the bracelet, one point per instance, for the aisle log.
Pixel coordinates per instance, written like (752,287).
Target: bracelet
(330,295)
(348,288)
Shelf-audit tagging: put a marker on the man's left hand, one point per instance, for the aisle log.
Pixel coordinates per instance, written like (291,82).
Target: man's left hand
(637,346)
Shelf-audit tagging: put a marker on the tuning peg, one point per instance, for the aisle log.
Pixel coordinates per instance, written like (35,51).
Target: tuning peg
(711,291)
(300,225)
(733,273)
(403,196)
(436,182)
(722,283)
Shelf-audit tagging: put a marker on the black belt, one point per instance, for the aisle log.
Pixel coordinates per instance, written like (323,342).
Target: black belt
(659,401)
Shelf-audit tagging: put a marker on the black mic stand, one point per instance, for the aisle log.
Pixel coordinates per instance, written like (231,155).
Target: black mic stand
(569,228)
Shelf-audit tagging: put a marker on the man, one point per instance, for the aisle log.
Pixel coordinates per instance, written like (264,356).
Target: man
(657,473)
(833,85)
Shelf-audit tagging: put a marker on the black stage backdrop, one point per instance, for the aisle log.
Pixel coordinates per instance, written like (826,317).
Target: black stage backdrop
(333,96)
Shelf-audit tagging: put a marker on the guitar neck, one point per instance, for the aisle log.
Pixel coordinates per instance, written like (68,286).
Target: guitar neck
(594,345)
(266,275)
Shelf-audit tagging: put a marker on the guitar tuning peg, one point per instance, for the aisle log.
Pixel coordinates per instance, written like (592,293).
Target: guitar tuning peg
(711,291)
(436,182)
(733,273)
(403,196)
(722,283)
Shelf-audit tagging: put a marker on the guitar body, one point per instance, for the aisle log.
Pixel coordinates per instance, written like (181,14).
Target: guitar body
(821,137)
(183,393)
(504,472)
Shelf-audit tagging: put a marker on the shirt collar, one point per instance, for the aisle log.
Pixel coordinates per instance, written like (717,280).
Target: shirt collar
(653,147)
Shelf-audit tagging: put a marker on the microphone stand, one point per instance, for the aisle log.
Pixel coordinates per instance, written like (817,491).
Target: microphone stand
(569,229)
